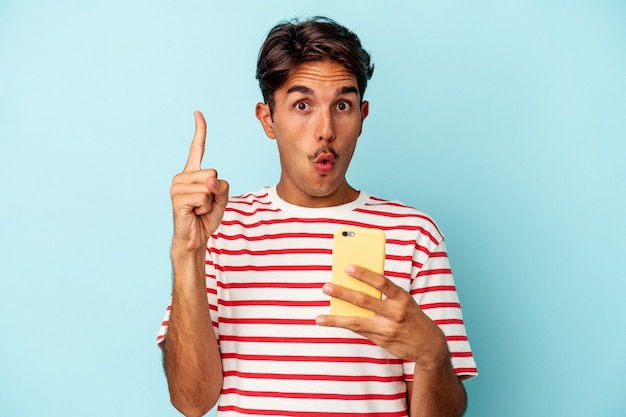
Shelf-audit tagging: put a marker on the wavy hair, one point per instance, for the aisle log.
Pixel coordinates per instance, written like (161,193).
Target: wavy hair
(294,42)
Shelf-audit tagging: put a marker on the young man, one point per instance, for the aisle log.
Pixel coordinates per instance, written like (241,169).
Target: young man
(249,318)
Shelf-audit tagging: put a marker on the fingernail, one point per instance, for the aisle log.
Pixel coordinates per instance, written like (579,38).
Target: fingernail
(327,289)
(350,269)
(320,321)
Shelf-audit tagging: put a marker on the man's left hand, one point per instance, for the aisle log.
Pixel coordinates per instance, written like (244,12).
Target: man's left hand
(399,325)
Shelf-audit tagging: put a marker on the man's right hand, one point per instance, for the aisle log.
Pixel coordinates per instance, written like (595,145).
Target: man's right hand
(198,197)
(191,355)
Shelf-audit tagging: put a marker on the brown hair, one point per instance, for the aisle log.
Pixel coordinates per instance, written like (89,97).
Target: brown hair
(295,42)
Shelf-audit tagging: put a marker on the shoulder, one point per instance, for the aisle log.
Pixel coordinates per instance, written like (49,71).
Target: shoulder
(249,203)
(258,197)
(396,214)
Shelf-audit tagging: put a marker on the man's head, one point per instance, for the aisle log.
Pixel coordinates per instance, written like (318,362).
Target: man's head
(295,42)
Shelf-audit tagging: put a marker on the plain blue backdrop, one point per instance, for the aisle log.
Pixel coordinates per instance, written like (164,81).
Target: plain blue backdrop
(504,120)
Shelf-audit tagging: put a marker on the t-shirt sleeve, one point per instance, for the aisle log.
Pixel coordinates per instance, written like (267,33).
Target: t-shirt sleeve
(434,290)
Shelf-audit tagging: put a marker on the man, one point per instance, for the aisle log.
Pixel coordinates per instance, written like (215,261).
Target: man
(249,319)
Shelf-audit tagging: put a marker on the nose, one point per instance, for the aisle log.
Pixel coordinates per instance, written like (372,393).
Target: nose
(325,126)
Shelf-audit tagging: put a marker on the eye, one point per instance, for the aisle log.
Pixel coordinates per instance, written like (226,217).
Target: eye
(302,106)
(343,106)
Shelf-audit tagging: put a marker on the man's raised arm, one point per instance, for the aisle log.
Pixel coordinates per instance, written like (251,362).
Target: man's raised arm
(190,353)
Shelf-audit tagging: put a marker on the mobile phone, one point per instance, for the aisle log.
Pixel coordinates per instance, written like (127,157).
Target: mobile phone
(356,246)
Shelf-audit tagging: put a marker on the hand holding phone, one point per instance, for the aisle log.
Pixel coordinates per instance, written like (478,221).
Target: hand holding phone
(356,246)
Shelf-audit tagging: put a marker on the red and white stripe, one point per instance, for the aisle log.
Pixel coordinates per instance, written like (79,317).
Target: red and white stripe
(266,265)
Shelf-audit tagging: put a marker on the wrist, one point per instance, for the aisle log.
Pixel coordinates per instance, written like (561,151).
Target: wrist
(187,263)
(184,248)
(435,358)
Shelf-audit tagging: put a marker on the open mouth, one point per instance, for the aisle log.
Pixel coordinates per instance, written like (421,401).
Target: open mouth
(324,163)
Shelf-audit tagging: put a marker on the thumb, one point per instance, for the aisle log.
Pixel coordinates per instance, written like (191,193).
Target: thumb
(219,188)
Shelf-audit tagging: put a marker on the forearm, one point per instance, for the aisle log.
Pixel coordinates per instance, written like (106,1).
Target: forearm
(191,356)
(437,392)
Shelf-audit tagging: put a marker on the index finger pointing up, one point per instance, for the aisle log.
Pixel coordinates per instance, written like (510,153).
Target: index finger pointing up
(197,144)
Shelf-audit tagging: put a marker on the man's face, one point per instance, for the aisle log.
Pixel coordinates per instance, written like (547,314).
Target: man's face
(317,119)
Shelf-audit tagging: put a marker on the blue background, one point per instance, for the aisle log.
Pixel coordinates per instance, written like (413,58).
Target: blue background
(505,120)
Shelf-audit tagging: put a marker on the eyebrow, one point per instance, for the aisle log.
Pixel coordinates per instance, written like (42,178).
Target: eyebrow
(308,91)
(300,89)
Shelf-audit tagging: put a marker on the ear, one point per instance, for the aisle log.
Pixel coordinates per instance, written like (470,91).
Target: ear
(365,110)
(264,115)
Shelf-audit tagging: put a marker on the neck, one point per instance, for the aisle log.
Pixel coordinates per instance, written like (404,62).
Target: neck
(343,195)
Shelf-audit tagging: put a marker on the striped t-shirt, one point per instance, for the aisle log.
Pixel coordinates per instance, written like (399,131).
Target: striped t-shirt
(265,268)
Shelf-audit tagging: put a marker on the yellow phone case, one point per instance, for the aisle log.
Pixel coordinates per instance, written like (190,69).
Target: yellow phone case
(356,246)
